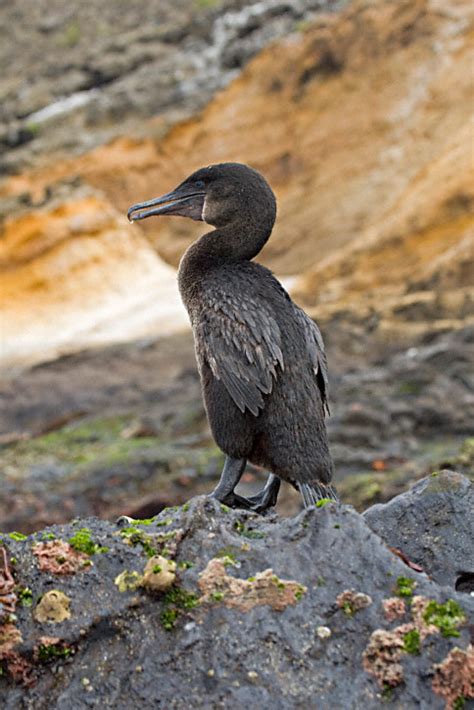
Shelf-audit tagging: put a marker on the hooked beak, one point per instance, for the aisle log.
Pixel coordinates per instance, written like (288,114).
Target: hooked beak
(184,202)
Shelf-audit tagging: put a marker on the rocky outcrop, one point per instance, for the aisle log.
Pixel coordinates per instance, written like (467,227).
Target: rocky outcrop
(228,607)
(433,525)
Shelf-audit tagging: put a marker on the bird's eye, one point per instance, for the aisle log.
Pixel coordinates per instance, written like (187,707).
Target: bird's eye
(199,183)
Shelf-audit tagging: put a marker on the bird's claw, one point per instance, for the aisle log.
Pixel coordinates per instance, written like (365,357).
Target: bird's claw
(258,503)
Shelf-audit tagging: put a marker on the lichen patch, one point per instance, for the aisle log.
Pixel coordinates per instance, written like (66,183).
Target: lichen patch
(58,557)
(351,601)
(265,588)
(454,677)
(383,654)
(382,657)
(10,637)
(128,581)
(159,574)
(8,598)
(53,608)
(393,608)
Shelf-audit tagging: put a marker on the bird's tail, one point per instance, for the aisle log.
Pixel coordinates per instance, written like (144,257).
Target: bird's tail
(315,491)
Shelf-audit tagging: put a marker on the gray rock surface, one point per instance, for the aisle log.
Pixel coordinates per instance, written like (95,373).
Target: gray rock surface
(314,632)
(433,524)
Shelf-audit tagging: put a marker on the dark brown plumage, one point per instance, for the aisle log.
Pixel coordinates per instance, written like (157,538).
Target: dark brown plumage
(261,358)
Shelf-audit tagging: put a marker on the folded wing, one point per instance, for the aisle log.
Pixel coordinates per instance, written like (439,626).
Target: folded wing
(241,341)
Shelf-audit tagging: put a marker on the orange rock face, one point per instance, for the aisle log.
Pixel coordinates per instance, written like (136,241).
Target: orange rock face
(74,274)
(361,125)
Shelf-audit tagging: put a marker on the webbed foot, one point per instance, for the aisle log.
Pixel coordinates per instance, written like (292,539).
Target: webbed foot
(266,498)
(224,492)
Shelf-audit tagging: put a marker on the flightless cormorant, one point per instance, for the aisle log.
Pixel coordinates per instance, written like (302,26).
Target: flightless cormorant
(261,358)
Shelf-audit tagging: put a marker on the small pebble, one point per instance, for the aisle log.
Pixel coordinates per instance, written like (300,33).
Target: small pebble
(211,673)
(323,632)
(85,682)
(253,675)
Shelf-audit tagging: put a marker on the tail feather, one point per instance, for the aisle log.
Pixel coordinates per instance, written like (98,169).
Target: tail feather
(312,492)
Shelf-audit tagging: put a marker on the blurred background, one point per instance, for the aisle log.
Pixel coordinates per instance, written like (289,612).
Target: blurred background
(357,112)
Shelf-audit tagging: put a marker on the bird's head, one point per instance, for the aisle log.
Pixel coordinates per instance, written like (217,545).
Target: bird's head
(219,195)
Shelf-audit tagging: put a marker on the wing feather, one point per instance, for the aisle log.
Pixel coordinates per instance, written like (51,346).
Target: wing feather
(241,342)
(316,352)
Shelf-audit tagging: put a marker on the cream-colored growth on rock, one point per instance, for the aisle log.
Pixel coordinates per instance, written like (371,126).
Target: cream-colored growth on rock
(53,607)
(159,574)
(216,586)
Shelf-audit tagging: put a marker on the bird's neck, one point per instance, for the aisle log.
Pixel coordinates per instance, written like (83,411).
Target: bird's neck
(231,244)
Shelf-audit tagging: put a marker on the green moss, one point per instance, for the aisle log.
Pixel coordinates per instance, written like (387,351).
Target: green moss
(228,555)
(152,543)
(163,523)
(134,536)
(185,507)
(447,617)
(411,642)
(17,536)
(156,569)
(321,581)
(459,703)
(51,652)
(337,526)
(225,508)
(144,521)
(91,442)
(185,564)
(300,592)
(82,541)
(176,601)
(277,581)
(217,596)
(181,598)
(207,4)
(168,618)
(25,596)
(404,587)
(246,532)
(324,501)
(348,609)
(48,536)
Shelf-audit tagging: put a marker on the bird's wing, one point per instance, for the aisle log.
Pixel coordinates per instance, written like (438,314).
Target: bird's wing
(315,345)
(241,342)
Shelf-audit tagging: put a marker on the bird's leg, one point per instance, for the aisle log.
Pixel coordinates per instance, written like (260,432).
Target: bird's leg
(231,475)
(267,497)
